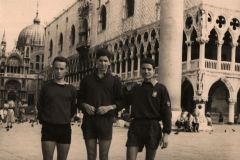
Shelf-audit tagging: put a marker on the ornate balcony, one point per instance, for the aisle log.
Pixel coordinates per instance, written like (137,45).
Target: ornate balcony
(212,65)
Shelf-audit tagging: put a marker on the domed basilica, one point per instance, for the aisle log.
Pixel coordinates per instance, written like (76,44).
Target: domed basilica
(20,71)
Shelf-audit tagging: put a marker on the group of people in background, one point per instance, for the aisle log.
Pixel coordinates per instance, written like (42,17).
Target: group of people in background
(190,121)
(100,97)
(11,112)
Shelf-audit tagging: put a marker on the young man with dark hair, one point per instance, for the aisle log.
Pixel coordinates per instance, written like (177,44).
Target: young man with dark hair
(150,104)
(56,106)
(98,95)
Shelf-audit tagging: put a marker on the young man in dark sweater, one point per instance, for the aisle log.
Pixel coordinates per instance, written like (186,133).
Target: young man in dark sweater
(98,95)
(56,106)
(150,104)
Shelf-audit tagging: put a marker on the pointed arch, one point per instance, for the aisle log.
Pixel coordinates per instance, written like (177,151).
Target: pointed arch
(211,46)
(187,93)
(237,58)
(148,50)
(51,48)
(103,17)
(195,45)
(218,96)
(226,47)
(60,42)
(130,5)
(72,36)
(184,48)
(156,50)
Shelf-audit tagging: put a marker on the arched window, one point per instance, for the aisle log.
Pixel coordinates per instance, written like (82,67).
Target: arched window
(226,47)
(61,42)
(195,46)
(37,58)
(50,48)
(27,52)
(130,7)
(37,66)
(211,46)
(237,57)
(103,18)
(72,37)
(184,48)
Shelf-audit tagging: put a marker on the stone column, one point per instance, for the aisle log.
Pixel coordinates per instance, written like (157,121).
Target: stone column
(132,61)
(231,111)
(189,55)
(126,68)
(202,54)
(233,55)
(115,66)
(132,66)
(120,62)
(170,57)
(138,65)
(219,55)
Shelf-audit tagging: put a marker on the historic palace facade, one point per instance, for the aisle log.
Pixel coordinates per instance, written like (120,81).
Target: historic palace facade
(204,70)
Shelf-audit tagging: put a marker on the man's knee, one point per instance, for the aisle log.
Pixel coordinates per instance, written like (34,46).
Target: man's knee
(91,150)
(150,154)
(92,155)
(103,155)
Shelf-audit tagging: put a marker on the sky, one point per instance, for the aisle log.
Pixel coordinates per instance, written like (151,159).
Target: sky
(17,14)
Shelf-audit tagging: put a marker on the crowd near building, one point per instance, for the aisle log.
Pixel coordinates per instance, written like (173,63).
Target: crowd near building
(202,69)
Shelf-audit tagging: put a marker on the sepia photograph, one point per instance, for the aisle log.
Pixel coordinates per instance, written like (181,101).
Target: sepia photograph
(119,79)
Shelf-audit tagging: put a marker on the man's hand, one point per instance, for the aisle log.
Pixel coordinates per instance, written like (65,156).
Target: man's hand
(104,109)
(89,109)
(164,141)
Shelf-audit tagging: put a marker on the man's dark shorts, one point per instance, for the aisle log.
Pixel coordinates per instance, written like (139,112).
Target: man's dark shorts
(97,127)
(59,133)
(143,132)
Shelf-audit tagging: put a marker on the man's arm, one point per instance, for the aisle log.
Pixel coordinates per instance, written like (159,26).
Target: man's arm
(166,112)
(73,103)
(166,116)
(40,104)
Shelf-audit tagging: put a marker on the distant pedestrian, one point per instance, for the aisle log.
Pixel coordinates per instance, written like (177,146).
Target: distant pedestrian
(235,119)
(56,107)
(21,112)
(1,114)
(209,119)
(195,121)
(220,118)
(10,119)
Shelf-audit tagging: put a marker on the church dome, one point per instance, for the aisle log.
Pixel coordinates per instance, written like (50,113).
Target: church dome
(32,35)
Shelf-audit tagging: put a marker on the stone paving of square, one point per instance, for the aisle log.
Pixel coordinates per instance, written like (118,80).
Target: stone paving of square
(22,142)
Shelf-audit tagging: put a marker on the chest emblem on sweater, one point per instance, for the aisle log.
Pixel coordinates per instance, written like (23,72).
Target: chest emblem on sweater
(154,94)
(168,103)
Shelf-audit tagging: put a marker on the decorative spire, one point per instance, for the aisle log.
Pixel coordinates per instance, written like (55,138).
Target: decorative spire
(4,38)
(3,44)
(36,19)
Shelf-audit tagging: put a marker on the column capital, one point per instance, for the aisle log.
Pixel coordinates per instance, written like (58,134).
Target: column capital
(202,40)
(219,43)
(234,44)
(200,99)
(232,101)
(188,43)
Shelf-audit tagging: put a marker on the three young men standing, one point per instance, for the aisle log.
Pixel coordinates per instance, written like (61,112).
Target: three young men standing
(100,94)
